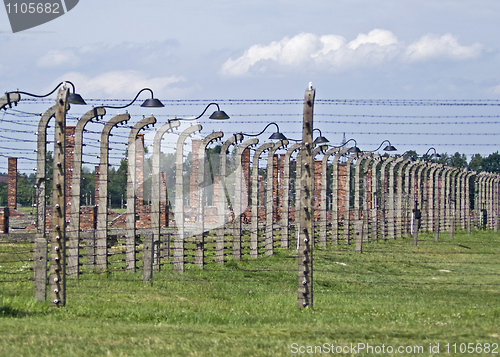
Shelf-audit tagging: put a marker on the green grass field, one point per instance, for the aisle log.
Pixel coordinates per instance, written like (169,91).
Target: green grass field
(393,295)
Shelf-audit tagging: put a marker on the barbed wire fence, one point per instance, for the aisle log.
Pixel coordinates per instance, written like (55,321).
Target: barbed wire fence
(375,203)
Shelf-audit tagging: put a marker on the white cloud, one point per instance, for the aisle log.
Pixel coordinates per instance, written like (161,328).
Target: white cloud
(447,46)
(495,89)
(55,58)
(333,53)
(117,83)
(375,37)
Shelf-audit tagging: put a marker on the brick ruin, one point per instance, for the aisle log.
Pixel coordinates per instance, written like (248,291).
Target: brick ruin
(143,211)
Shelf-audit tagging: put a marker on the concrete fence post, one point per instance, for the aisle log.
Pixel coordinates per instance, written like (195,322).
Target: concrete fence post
(367,194)
(41,244)
(306,214)
(375,200)
(222,203)
(384,188)
(347,199)
(391,223)
(240,200)
(358,212)
(156,184)
(254,224)
(285,218)
(269,230)
(179,198)
(199,254)
(74,208)
(57,294)
(335,195)
(130,240)
(101,236)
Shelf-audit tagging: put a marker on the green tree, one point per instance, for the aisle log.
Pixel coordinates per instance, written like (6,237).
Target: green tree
(476,162)
(458,160)
(492,163)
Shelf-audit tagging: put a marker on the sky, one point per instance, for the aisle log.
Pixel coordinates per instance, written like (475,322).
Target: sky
(247,54)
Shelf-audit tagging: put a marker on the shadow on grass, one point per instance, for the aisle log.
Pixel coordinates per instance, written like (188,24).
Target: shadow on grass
(8,311)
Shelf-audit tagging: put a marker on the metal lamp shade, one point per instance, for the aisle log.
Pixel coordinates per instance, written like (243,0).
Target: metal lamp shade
(354,150)
(75,98)
(277,136)
(390,148)
(321,140)
(219,115)
(153,102)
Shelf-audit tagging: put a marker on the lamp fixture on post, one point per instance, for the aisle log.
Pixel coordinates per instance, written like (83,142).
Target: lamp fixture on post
(73,97)
(354,149)
(413,159)
(435,154)
(320,139)
(148,103)
(389,147)
(275,136)
(216,115)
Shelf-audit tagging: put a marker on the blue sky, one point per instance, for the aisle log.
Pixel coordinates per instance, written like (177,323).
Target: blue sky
(404,49)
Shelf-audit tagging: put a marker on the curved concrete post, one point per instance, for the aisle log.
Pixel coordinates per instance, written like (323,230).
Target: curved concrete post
(269,239)
(285,218)
(425,197)
(431,198)
(101,233)
(254,227)
(358,215)
(489,200)
(199,254)
(347,201)
(8,99)
(40,169)
(468,222)
(323,203)
(420,190)
(41,244)
(335,195)
(367,194)
(460,193)
(375,200)
(495,201)
(408,199)
(442,199)
(413,201)
(130,234)
(391,216)
(384,197)
(447,198)
(401,198)
(482,196)
(485,203)
(155,188)
(179,198)
(241,192)
(74,208)
(222,203)
(437,200)
(298,188)
(357,184)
